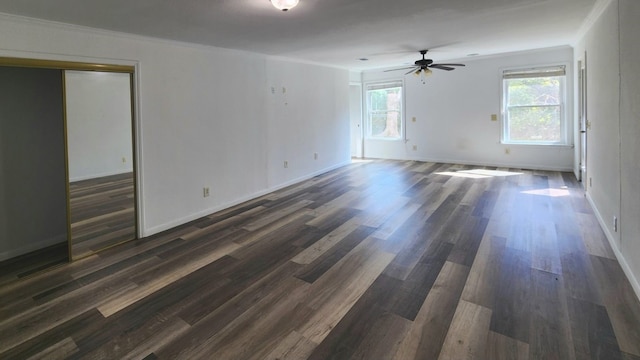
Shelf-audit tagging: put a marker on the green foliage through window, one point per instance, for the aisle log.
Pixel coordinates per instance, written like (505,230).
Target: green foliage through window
(384,110)
(533,108)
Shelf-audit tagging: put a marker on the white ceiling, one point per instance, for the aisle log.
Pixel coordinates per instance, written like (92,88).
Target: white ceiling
(333,32)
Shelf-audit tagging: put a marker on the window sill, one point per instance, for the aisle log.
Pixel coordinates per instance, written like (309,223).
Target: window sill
(383,139)
(555,146)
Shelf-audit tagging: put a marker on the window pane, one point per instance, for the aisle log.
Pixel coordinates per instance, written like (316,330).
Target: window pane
(533,106)
(386,124)
(533,91)
(535,124)
(385,111)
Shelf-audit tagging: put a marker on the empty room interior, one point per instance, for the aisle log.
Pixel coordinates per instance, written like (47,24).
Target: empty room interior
(320,179)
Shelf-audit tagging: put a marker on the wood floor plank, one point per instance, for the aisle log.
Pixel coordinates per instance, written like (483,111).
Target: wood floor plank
(293,347)
(329,258)
(395,221)
(176,328)
(550,333)
(468,240)
(209,227)
(482,286)
(275,215)
(384,338)
(87,322)
(125,331)
(468,332)
(376,216)
(621,303)
(593,237)
(330,208)
(111,307)
(500,347)
(258,331)
(579,277)
(410,295)
(591,331)
(427,334)
(334,293)
(545,255)
(256,235)
(511,314)
(223,306)
(61,350)
(321,246)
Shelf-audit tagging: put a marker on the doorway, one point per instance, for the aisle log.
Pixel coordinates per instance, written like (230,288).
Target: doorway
(33,224)
(100,160)
(584,122)
(355,106)
(45,153)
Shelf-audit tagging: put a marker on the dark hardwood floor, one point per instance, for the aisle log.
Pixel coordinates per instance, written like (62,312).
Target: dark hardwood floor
(33,262)
(376,260)
(102,213)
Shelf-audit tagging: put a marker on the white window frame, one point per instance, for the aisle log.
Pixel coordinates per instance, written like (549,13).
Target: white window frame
(380,85)
(538,71)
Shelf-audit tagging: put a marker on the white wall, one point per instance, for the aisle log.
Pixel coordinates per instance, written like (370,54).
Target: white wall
(613,110)
(207,116)
(603,93)
(308,113)
(99,138)
(630,136)
(453,115)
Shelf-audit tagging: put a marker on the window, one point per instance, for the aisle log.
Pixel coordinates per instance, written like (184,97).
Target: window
(534,106)
(384,110)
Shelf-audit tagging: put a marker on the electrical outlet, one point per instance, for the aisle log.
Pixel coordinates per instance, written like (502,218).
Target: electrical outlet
(615,224)
(507,151)
(205,192)
(590,183)
(286,164)
(315,156)
(413,119)
(494,117)
(415,147)
(124,159)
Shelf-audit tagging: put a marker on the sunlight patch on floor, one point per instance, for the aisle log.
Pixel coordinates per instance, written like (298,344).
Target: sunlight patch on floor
(478,173)
(358,160)
(549,192)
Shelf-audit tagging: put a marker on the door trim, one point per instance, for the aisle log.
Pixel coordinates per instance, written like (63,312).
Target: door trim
(104,67)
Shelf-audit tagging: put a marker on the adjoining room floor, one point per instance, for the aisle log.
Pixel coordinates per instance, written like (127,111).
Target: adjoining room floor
(102,213)
(375,260)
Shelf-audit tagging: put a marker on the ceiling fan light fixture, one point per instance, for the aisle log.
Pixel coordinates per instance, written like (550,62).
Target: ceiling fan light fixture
(427,72)
(284,5)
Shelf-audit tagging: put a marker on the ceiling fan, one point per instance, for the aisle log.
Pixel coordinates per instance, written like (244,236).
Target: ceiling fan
(424,66)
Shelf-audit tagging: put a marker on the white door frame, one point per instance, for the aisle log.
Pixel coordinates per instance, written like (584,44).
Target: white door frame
(583,121)
(356,120)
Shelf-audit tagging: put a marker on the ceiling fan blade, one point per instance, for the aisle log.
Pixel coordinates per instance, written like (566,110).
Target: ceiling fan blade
(451,64)
(404,68)
(441,67)
(413,70)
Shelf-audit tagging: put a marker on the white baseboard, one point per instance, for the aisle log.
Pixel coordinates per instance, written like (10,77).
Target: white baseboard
(209,211)
(635,284)
(9,254)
